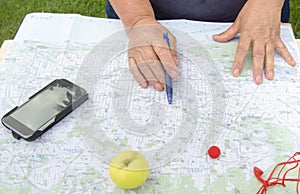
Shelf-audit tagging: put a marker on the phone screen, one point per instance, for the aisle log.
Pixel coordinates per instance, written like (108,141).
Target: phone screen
(43,107)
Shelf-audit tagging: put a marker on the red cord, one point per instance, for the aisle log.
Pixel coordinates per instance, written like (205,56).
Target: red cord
(271,181)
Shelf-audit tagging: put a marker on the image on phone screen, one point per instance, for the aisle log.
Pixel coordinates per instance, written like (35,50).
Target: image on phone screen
(42,110)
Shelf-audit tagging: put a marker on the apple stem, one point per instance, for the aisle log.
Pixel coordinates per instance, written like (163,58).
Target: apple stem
(127,162)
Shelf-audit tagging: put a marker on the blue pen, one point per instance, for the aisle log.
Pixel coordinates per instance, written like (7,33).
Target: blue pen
(169,88)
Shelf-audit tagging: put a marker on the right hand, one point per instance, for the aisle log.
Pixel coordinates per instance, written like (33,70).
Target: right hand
(148,54)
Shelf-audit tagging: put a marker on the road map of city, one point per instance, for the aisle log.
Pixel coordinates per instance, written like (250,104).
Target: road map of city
(254,126)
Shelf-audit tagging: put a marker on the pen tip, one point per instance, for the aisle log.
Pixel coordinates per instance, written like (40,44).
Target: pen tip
(169,100)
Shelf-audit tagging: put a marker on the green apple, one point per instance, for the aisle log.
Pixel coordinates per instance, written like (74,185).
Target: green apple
(128,169)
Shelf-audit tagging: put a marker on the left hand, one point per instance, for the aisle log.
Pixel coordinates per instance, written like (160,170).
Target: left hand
(259,25)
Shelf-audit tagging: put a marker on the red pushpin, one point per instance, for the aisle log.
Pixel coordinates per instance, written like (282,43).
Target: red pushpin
(214,152)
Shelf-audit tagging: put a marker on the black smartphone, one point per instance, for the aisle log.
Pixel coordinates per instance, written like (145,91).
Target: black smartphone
(44,109)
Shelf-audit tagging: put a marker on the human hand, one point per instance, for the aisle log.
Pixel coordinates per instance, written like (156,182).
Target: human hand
(259,25)
(149,55)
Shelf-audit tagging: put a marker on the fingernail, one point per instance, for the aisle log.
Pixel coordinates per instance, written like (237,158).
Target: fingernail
(143,84)
(258,79)
(270,74)
(158,87)
(236,72)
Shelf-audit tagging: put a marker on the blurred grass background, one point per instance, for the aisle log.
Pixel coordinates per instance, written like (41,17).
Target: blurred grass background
(12,12)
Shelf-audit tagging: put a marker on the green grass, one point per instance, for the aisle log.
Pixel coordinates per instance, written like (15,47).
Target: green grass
(13,11)
(295,17)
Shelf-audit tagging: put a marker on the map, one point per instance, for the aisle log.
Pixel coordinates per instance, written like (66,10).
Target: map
(254,126)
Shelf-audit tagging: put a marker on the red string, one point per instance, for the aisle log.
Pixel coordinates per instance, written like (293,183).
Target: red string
(272,181)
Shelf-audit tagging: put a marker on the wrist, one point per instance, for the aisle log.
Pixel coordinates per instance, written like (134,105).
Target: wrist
(139,24)
(134,12)
(139,21)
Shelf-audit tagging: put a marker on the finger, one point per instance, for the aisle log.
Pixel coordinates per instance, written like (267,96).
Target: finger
(280,46)
(228,34)
(140,54)
(167,60)
(269,60)
(173,49)
(153,63)
(258,60)
(136,73)
(157,68)
(150,77)
(240,55)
